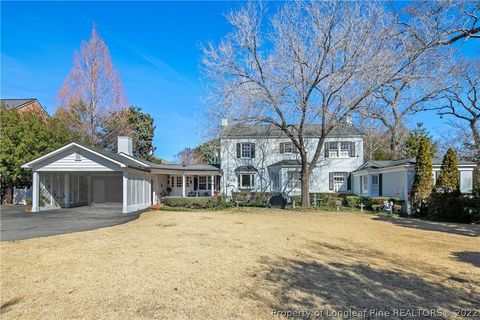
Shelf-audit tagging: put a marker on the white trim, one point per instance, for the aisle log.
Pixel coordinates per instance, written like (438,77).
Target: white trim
(133,159)
(28,165)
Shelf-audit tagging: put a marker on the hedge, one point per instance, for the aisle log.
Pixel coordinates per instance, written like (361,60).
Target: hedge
(196,202)
(253,199)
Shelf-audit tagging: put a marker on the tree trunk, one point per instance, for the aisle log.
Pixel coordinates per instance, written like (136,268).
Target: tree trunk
(305,182)
(305,190)
(476,137)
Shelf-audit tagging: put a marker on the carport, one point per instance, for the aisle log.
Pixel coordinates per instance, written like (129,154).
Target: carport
(76,175)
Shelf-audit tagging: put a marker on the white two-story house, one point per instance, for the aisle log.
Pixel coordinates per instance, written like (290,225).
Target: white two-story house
(262,158)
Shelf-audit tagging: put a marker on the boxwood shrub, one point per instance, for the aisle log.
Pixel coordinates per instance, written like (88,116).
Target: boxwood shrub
(253,199)
(196,202)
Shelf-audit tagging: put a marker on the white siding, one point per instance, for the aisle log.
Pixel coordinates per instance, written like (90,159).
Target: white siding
(76,159)
(138,190)
(393,184)
(267,152)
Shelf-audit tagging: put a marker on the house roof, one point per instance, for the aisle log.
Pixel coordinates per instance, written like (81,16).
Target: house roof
(271,131)
(374,164)
(126,160)
(14,104)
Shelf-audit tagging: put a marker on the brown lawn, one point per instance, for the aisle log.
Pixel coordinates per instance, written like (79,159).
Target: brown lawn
(243,265)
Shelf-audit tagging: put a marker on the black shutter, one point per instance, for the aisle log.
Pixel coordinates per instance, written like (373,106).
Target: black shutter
(239,181)
(282,147)
(252,148)
(326,149)
(349,182)
(352,149)
(238,150)
(380,193)
(330,180)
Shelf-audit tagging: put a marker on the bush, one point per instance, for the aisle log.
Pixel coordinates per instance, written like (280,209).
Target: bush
(28,201)
(352,201)
(253,199)
(324,198)
(196,202)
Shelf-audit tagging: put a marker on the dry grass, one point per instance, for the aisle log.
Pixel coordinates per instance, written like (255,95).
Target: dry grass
(240,265)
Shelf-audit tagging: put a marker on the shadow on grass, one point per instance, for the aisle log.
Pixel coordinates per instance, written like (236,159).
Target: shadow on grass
(6,306)
(469,230)
(308,285)
(471,257)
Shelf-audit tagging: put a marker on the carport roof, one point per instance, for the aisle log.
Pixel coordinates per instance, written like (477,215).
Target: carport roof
(117,158)
(126,160)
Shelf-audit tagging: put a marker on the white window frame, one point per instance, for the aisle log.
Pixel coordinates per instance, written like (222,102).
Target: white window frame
(293,179)
(179,181)
(374,179)
(333,152)
(289,148)
(246,150)
(344,152)
(339,179)
(202,180)
(252,181)
(275,181)
(364,183)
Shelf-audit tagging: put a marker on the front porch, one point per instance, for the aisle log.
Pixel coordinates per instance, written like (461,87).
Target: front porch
(184,184)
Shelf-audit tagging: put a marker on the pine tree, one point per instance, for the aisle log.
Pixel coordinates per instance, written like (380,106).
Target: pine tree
(423,180)
(448,179)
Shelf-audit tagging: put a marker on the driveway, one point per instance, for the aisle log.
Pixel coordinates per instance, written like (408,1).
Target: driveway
(16,224)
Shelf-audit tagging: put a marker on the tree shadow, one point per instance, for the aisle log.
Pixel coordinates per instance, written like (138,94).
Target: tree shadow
(339,287)
(6,306)
(471,257)
(469,230)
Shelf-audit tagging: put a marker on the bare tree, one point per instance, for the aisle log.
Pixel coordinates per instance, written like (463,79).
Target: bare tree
(462,101)
(444,23)
(91,91)
(189,156)
(315,63)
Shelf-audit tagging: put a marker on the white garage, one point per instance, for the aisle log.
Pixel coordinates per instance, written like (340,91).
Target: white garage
(76,175)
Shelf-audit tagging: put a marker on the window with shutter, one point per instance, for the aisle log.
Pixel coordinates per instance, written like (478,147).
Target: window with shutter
(352,149)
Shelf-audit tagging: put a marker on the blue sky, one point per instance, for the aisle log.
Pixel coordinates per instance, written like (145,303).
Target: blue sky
(154,45)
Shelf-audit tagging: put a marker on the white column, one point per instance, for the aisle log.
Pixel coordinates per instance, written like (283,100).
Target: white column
(183,185)
(66,191)
(125,192)
(213,185)
(36,192)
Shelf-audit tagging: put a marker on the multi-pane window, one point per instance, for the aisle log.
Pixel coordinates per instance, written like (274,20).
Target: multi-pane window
(246,150)
(364,182)
(275,181)
(337,180)
(374,179)
(202,183)
(246,180)
(288,147)
(333,149)
(172,181)
(293,179)
(344,149)
(179,182)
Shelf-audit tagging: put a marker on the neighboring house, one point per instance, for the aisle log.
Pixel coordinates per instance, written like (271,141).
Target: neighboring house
(25,105)
(76,175)
(263,158)
(395,178)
